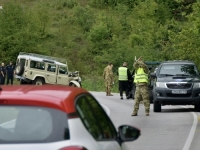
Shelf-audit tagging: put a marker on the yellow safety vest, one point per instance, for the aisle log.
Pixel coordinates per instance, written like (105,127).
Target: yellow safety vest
(122,74)
(140,76)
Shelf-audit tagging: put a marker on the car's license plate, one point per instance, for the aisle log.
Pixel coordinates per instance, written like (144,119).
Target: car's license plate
(179,92)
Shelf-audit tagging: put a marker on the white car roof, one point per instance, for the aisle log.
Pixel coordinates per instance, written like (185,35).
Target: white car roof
(42,58)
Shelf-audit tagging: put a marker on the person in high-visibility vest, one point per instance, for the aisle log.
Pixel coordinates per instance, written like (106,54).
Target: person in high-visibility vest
(124,76)
(141,80)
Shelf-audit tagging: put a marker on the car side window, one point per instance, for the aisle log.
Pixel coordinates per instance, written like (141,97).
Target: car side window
(37,65)
(95,119)
(51,68)
(62,70)
(22,61)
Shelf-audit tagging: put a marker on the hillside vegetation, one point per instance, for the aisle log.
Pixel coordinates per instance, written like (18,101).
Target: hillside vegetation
(90,33)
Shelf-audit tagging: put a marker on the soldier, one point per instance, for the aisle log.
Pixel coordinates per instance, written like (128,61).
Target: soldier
(2,73)
(10,72)
(141,81)
(108,78)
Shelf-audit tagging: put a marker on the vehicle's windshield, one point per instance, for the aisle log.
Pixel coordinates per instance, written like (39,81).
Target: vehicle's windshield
(178,69)
(27,124)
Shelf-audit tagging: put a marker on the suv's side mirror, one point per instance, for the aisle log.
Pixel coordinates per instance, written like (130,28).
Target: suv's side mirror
(153,75)
(128,133)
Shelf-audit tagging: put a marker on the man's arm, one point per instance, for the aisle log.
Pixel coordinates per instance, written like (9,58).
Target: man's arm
(136,65)
(2,72)
(144,66)
(129,75)
(104,73)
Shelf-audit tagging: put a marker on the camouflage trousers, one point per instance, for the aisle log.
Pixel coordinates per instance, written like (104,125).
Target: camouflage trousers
(108,86)
(142,94)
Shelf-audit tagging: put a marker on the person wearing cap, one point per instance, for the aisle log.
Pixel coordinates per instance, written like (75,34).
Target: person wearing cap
(124,77)
(10,73)
(141,80)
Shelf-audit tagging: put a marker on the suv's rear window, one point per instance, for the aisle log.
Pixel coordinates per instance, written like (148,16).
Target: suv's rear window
(27,124)
(178,69)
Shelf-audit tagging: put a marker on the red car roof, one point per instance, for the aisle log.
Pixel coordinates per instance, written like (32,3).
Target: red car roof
(54,96)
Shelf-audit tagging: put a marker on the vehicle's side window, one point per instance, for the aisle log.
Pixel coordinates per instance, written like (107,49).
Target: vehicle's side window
(62,70)
(95,119)
(37,65)
(22,61)
(51,68)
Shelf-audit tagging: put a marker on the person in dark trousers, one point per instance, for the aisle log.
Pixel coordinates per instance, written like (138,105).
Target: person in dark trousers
(2,73)
(132,86)
(10,73)
(124,77)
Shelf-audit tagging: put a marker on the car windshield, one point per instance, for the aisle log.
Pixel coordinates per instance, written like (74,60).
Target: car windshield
(27,124)
(178,70)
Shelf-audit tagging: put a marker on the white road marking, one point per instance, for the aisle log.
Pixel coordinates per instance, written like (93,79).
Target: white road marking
(9,122)
(192,132)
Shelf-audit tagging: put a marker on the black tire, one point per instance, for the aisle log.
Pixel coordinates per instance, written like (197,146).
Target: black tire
(23,82)
(80,84)
(72,85)
(38,81)
(19,69)
(150,96)
(156,107)
(197,107)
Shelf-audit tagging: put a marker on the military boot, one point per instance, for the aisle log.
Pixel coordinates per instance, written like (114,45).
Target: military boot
(147,113)
(134,114)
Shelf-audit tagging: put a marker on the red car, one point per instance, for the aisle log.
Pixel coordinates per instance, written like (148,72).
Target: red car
(54,117)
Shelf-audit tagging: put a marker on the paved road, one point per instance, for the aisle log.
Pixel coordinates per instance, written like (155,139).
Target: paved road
(175,128)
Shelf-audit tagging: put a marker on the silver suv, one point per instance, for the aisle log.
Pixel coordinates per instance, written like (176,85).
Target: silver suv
(40,69)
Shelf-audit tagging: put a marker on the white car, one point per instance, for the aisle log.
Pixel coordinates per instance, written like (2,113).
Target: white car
(56,117)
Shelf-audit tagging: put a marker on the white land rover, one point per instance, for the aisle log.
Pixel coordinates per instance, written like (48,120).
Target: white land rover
(40,69)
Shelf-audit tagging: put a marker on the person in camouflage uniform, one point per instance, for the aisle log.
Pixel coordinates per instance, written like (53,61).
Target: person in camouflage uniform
(141,81)
(108,78)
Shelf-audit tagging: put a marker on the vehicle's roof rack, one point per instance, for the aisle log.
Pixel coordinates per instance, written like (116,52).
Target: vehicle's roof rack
(44,57)
(152,62)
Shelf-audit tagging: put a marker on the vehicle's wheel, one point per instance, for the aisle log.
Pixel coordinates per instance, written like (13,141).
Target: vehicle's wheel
(23,82)
(38,81)
(80,84)
(197,107)
(156,107)
(72,84)
(150,96)
(19,69)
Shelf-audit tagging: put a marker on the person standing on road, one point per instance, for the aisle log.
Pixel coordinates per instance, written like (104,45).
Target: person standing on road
(124,76)
(10,72)
(2,73)
(141,81)
(108,78)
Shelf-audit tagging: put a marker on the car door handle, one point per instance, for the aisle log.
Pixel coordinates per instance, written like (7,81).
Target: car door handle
(47,75)
(59,77)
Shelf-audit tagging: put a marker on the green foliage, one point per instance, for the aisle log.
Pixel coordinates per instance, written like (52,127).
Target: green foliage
(90,33)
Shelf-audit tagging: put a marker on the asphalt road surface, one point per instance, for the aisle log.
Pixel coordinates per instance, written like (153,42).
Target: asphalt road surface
(175,128)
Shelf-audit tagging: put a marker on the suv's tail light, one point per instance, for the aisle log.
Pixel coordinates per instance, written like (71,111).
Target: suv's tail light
(73,148)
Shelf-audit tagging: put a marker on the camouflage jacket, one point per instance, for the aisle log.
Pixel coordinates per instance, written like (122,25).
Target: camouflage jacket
(108,74)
